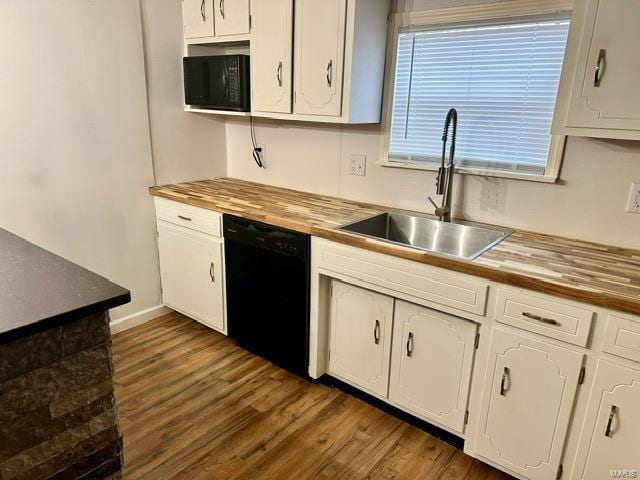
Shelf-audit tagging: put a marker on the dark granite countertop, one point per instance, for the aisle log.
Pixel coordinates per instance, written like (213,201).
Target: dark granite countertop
(39,289)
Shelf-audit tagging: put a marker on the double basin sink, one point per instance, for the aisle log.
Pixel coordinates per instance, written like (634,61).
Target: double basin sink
(458,239)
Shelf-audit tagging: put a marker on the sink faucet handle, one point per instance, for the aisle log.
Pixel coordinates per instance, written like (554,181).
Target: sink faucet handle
(435,205)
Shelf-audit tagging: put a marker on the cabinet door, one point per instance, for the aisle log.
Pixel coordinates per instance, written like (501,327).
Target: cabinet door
(319,47)
(231,17)
(191,272)
(528,397)
(271,55)
(361,323)
(423,342)
(610,39)
(611,437)
(197,18)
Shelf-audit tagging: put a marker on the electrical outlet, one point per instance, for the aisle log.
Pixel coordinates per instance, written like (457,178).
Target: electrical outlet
(633,205)
(358,165)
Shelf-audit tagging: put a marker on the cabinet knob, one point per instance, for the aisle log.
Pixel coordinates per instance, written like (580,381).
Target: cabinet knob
(612,414)
(506,381)
(410,344)
(279,74)
(600,66)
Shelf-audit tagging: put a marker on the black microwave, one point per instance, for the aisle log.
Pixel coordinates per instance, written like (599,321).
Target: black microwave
(218,82)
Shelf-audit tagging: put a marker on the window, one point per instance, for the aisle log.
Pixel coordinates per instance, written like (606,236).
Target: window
(501,77)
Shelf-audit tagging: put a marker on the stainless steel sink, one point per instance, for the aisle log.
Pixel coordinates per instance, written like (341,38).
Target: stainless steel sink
(459,239)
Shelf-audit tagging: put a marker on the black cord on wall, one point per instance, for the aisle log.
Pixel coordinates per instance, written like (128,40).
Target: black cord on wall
(257,151)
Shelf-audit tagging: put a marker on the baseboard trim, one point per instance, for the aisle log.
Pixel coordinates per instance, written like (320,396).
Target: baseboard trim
(138,318)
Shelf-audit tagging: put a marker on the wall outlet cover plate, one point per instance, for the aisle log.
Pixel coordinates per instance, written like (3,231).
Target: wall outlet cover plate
(633,204)
(358,165)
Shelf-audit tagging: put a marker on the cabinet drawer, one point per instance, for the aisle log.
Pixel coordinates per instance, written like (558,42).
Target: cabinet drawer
(622,337)
(544,315)
(195,218)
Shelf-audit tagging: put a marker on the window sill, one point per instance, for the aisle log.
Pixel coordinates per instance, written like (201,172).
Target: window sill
(473,171)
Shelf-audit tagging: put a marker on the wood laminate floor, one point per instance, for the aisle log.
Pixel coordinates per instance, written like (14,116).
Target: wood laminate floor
(192,406)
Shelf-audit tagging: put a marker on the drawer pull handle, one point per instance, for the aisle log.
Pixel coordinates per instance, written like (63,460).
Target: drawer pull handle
(187,219)
(410,344)
(597,76)
(538,318)
(330,73)
(212,273)
(376,332)
(612,414)
(203,13)
(506,378)
(221,8)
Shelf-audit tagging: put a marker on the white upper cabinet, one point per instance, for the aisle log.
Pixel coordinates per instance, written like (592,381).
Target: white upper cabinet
(528,397)
(271,57)
(197,18)
(319,44)
(604,98)
(360,344)
(232,17)
(611,436)
(339,57)
(311,60)
(423,342)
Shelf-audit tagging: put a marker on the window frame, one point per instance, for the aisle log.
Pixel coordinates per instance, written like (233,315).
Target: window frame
(459,16)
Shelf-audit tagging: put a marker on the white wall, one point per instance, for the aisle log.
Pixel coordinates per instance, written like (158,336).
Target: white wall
(75,154)
(185,146)
(589,202)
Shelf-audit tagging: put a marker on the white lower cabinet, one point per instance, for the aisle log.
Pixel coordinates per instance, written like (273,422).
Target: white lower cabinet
(610,442)
(191,268)
(528,398)
(360,345)
(431,364)
(426,368)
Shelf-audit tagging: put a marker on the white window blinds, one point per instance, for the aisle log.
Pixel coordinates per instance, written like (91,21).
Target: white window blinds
(503,79)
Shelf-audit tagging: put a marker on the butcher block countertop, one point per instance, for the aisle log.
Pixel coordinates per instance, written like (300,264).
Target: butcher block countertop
(586,272)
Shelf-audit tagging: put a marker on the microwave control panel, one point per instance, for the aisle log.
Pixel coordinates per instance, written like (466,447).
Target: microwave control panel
(234,82)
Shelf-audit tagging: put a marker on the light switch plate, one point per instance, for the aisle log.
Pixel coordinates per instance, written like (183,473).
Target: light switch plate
(633,205)
(358,165)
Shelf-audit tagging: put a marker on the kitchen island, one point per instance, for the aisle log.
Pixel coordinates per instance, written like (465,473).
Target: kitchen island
(57,409)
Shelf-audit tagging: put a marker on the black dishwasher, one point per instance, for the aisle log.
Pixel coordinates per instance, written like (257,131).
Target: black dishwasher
(267,279)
